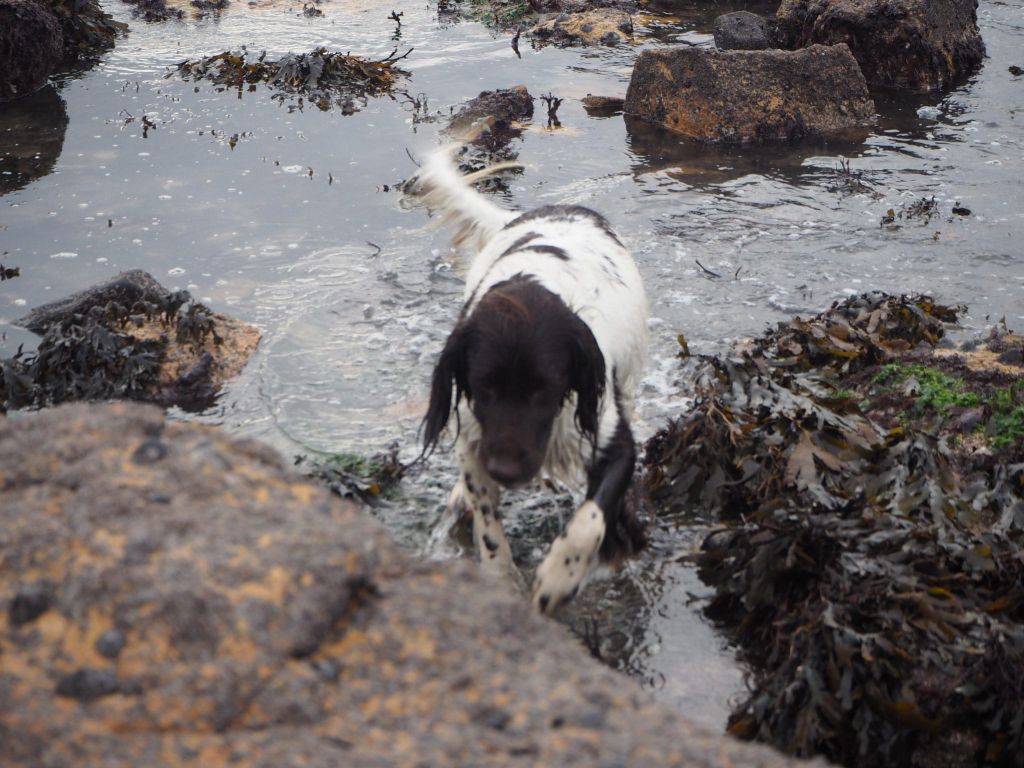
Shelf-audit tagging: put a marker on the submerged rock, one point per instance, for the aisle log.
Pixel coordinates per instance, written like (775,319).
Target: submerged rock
(127,338)
(199,604)
(918,45)
(738,96)
(30,47)
(602,26)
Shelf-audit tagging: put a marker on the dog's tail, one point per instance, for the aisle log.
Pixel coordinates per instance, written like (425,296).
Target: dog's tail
(472,218)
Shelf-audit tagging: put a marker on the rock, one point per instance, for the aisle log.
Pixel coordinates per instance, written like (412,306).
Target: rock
(30,47)
(499,112)
(127,338)
(739,96)
(744,31)
(266,623)
(154,10)
(603,106)
(33,128)
(127,288)
(918,45)
(601,26)
(581,6)
(87,29)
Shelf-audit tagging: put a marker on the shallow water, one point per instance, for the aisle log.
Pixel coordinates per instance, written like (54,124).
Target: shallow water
(290,219)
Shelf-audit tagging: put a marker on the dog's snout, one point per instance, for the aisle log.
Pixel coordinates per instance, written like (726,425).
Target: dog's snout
(507,470)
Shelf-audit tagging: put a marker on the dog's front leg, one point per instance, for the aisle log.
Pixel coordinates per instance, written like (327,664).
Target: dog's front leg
(575,552)
(477,495)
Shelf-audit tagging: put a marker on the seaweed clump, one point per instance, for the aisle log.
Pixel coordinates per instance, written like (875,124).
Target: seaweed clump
(352,476)
(320,77)
(98,354)
(154,10)
(88,30)
(868,568)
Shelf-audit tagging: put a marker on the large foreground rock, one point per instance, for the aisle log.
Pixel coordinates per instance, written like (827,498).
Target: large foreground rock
(171,596)
(918,45)
(30,47)
(751,95)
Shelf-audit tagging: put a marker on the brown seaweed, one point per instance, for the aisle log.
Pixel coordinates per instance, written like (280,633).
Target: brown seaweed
(92,354)
(320,77)
(870,571)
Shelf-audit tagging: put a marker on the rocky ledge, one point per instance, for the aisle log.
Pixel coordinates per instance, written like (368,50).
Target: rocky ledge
(172,596)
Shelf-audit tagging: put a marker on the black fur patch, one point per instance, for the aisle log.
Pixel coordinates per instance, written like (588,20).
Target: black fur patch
(551,250)
(566,213)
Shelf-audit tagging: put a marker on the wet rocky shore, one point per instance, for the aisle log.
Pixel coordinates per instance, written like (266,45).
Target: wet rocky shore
(173,595)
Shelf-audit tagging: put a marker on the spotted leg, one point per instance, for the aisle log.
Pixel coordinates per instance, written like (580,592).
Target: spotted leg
(576,551)
(477,495)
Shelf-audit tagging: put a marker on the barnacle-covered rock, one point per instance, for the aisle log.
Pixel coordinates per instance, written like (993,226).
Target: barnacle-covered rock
(173,597)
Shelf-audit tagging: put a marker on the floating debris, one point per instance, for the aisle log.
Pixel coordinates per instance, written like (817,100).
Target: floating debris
(552,103)
(352,476)
(871,489)
(323,78)
(9,273)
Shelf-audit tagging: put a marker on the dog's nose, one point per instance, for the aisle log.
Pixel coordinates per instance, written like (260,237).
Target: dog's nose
(506,471)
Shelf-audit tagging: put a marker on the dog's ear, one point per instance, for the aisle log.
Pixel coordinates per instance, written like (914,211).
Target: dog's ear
(586,376)
(450,371)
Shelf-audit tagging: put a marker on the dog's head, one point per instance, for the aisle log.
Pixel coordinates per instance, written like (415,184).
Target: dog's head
(517,358)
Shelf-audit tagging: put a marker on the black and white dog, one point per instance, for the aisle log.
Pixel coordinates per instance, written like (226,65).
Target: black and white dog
(543,362)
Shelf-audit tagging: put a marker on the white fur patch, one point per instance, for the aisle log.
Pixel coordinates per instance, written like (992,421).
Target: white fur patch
(570,559)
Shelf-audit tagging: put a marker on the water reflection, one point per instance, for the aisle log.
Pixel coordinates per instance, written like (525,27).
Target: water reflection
(32,132)
(703,165)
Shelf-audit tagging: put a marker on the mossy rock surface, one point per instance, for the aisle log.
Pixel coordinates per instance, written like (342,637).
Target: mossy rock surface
(172,596)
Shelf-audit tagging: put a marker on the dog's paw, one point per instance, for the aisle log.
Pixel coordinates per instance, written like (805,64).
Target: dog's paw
(569,560)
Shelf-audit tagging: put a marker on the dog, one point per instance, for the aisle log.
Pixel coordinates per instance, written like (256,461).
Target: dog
(543,362)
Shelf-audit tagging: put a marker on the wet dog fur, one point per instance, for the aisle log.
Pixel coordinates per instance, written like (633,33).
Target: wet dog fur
(539,371)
